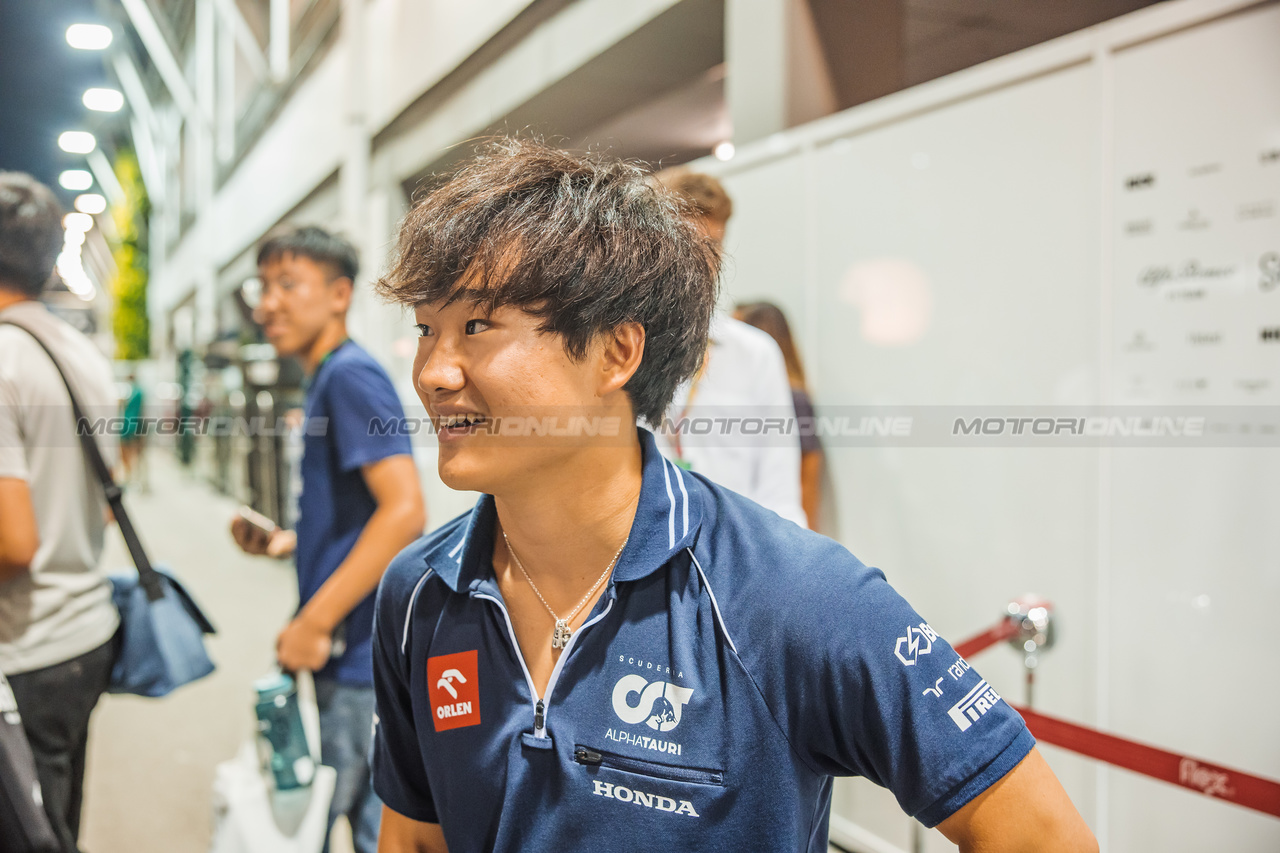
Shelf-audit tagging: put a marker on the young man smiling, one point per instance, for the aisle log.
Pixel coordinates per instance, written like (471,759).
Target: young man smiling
(360,502)
(610,653)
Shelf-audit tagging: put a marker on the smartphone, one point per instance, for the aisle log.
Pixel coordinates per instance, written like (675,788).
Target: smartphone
(258,521)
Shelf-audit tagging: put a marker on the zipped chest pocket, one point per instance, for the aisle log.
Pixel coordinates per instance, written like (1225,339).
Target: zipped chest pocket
(589,757)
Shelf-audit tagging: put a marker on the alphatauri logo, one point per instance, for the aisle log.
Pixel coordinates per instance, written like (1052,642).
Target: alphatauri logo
(659,704)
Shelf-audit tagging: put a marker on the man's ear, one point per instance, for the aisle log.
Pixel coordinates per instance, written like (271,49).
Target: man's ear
(621,351)
(342,289)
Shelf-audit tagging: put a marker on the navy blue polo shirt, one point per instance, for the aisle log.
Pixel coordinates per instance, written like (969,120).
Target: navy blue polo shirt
(349,403)
(734,665)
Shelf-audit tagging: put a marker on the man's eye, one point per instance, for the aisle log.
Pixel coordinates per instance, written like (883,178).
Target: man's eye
(424,331)
(476,326)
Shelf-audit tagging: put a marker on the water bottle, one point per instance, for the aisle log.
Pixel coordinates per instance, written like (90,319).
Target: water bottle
(282,739)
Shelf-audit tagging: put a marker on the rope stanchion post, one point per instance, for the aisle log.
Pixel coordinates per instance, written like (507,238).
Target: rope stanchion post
(1032,616)
(1028,626)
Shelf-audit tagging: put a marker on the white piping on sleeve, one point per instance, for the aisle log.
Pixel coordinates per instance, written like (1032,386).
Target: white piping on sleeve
(671,518)
(408,614)
(714,604)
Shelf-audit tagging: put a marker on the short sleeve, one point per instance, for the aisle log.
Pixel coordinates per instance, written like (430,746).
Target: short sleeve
(13,453)
(365,415)
(399,776)
(862,685)
(890,700)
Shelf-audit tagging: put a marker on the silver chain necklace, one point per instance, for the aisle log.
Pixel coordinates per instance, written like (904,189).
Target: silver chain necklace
(563,632)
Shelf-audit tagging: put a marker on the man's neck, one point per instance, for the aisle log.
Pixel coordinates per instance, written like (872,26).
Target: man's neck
(568,526)
(11,297)
(326,342)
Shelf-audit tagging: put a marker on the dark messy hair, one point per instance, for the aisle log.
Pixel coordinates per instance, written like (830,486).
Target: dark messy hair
(581,242)
(30,232)
(314,244)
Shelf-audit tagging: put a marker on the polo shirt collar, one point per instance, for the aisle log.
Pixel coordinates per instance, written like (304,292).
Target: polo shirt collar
(667,521)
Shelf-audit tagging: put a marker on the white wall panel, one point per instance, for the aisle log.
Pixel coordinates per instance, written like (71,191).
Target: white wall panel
(994,220)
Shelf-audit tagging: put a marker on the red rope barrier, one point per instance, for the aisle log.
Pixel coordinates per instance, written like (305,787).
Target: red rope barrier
(1211,780)
(1005,629)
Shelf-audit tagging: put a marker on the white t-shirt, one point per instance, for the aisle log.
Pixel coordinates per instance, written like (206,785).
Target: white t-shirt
(740,406)
(62,607)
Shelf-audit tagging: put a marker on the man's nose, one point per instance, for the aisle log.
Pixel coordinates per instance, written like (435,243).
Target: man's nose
(267,304)
(443,370)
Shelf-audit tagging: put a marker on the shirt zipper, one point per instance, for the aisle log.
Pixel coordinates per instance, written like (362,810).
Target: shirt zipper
(595,758)
(540,704)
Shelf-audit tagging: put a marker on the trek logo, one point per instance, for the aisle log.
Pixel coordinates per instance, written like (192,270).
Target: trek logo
(917,642)
(454,686)
(975,704)
(640,798)
(659,704)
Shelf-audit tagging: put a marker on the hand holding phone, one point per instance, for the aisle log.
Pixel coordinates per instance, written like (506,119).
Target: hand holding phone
(252,531)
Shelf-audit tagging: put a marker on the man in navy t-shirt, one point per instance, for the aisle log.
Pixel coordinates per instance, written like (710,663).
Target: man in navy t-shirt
(359,504)
(612,653)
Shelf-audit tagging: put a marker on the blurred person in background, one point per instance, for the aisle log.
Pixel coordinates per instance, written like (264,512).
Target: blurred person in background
(57,620)
(131,437)
(360,502)
(769,318)
(743,374)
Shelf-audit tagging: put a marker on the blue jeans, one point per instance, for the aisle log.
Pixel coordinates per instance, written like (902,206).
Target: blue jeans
(346,734)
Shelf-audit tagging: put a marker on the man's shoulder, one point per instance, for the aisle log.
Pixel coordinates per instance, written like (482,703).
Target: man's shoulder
(354,384)
(352,364)
(742,336)
(747,544)
(88,367)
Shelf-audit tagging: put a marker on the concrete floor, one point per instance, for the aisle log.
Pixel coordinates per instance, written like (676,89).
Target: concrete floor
(151,761)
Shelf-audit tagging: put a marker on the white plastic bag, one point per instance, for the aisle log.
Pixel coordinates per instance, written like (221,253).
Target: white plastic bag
(249,816)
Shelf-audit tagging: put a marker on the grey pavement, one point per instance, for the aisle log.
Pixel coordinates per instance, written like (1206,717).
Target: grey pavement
(151,761)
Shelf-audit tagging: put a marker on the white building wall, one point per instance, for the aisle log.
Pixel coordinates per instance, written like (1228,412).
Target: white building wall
(971,242)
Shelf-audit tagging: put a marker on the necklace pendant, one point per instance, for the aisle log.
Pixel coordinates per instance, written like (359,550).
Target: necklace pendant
(560,638)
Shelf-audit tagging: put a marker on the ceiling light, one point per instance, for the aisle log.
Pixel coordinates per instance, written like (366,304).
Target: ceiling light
(91,203)
(103,100)
(77,142)
(81,222)
(724,151)
(75,179)
(88,36)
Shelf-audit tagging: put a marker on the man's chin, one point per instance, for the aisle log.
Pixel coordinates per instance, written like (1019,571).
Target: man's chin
(461,477)
(284,347)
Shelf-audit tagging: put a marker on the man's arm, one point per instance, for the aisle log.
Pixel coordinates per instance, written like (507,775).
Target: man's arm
(1027,810)
(19,534)
(400,834)
(399,519)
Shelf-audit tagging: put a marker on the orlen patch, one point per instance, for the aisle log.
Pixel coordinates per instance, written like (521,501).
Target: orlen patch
(454,685)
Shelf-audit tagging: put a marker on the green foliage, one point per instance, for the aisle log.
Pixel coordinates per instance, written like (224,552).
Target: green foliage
(129,321)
